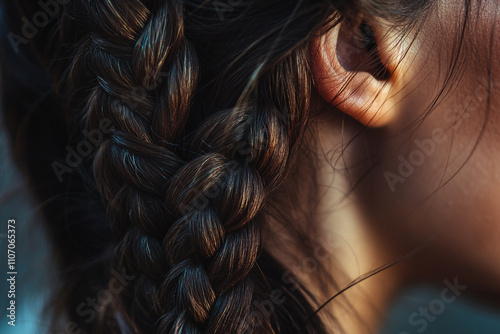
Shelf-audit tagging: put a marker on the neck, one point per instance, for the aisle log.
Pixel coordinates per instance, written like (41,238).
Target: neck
(350,248)
(357,253)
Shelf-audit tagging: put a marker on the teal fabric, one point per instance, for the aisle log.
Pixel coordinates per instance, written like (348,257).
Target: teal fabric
(32,261)
(459,317)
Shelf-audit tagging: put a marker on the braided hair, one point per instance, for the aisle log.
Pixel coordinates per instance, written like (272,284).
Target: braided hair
(204,104)
(195,262)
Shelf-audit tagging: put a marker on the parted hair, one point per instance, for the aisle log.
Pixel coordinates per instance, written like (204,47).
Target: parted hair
(206,103)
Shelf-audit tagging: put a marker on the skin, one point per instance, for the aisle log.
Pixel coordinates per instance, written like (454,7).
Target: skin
(445,203)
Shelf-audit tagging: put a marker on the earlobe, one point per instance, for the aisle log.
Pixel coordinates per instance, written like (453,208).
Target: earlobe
(350,75)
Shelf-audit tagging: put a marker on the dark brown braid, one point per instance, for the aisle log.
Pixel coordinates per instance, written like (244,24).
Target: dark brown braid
(193,260)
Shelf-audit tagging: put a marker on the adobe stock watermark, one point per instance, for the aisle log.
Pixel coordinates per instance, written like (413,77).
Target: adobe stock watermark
(417,157)
(264,309)
(83,149)
(425,315)
(246,153)
(454,117)
(94,138)
(141,93)
(326,247)
(89,308)
(49,9)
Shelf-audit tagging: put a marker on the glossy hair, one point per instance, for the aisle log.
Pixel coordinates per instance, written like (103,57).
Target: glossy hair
(196,108)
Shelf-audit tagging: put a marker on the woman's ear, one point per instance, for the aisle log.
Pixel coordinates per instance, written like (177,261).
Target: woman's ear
(353,73)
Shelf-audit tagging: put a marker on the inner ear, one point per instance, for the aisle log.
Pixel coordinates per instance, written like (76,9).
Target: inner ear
(357,50)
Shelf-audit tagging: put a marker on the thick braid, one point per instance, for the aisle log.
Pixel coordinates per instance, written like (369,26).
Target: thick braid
(128,50)
(189,227)
(217,241)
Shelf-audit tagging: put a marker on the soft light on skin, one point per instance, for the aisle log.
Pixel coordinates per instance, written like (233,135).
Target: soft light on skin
(395,177)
